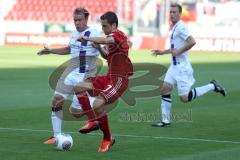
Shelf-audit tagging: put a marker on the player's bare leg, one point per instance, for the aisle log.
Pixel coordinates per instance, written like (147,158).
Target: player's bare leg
(77,113)
(166,104)
(57,103)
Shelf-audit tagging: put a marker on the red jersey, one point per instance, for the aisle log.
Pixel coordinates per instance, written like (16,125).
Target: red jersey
(118,62)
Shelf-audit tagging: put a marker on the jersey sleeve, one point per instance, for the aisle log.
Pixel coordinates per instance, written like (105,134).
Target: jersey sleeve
(184,33)
(118,37)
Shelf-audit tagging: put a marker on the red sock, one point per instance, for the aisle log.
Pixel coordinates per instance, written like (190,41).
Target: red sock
(86,107)
(104,126)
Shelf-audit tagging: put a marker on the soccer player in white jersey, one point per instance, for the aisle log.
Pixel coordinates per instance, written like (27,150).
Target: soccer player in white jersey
(180,72)
(82,65)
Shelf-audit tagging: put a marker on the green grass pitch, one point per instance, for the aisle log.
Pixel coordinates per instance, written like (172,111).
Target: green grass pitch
(210,132)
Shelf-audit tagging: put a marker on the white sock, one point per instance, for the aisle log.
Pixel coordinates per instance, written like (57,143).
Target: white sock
(199,91)
(204,89)
(166,109)
(57,122)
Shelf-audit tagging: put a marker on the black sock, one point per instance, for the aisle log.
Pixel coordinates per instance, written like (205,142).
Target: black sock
(192,95)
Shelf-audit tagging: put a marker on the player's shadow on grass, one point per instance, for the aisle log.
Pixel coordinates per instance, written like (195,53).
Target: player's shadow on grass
(67,116)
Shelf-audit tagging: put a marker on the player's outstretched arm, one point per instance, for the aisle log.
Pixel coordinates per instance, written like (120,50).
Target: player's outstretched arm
(159,52)
(45,50)
(59,51)
(99,40)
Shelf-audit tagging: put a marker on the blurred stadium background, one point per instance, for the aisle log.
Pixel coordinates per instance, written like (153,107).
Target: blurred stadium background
(207,128)
(214,23)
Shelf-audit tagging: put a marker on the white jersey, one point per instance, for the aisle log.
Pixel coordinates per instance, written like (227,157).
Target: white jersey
(179,34)
(77,47)
(83,55)
(180,73)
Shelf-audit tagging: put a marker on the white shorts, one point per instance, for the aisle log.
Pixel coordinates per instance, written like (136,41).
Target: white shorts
(65,88)
(180,76)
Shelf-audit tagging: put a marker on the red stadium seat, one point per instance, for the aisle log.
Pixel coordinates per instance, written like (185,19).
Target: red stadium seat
(51,9)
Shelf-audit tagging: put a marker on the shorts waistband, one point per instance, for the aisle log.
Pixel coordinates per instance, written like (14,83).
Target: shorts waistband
(176,63)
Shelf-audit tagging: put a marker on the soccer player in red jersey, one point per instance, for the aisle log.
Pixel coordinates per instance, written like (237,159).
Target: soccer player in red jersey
(111,86)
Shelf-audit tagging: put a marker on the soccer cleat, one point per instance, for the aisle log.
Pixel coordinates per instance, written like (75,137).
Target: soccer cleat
(106,145)
(161,124)
(218,88)
(89,126)
(51,140)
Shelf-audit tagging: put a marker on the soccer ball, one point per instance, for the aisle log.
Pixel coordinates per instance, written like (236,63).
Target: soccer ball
(64,142)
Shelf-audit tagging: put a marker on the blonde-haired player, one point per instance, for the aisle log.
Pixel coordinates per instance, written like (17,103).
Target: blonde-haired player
(180,72)
(82,65)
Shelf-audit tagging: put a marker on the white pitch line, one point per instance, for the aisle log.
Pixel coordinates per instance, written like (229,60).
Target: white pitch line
(133,136)
(180,138)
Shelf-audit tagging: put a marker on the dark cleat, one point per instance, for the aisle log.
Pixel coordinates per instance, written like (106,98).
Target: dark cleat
(161,124)
(218,87)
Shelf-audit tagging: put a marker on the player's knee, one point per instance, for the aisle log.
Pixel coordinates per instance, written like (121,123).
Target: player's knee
(98,104)
(164,92)
(166,89)
(184,99)
(79,88)
(57,100)
(76,112)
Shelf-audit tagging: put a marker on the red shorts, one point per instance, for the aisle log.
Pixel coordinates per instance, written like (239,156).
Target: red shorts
(110,87)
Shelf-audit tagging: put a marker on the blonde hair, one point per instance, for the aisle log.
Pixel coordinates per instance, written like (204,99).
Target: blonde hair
(81,10)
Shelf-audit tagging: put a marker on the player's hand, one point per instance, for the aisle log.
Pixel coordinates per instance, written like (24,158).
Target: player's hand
(174,52)
(82,39)
(157,52)
(44,51)
(96,45)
